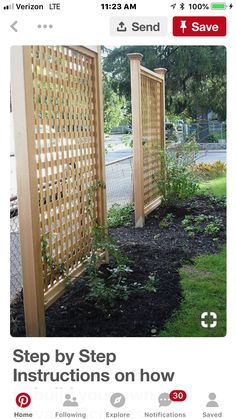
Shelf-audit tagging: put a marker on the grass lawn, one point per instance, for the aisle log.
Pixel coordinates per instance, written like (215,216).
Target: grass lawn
(215,186)
(203,286)
(204,289)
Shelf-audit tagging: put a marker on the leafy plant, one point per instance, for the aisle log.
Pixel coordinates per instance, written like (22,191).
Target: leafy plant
(217,201)
(151,284)
(118,215)
(208,225)
(211,138)
(175,180)
(57,268)
(213,228)
(105,292)
(115,105)
(166,221)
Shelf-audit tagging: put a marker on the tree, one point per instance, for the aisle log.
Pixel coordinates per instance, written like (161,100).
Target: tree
(195,81)
(114,105)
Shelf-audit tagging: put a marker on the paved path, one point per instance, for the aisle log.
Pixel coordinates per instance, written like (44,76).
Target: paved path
(212,156)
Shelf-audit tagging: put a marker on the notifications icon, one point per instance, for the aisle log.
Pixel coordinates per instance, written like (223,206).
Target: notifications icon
(164,399)
(23,400)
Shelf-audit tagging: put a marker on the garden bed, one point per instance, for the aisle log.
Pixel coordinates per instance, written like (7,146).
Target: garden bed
(157,250)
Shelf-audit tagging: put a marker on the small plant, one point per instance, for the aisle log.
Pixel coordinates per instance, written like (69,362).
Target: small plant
(208,225)
(151,283)
(106,295)
(194,225)
(166,221)
(217,201)
(118,215)
(52,265)
(105,292)
(213,228)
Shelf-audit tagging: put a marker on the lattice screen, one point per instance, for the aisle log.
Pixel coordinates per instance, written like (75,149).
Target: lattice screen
(152,132)
(66,142)
(148,126)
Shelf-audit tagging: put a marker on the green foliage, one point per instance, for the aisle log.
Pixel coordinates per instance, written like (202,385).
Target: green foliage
(127,140)
(52,265)
(212,138)
(151,284)
(115,105)
(120,215)
(105,292)
(205,224)
(175,180)
(106,295)
(219,201)
(195,81)
(166,221)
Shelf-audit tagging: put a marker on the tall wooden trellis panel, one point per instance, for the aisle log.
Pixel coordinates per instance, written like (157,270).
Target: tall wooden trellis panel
(56,95)
(148,116)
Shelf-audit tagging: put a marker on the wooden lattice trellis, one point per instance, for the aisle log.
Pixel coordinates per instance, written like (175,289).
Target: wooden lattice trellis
(148,115)
(56,93)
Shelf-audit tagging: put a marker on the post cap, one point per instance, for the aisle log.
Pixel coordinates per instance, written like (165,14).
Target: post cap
(161,71)
(135,56)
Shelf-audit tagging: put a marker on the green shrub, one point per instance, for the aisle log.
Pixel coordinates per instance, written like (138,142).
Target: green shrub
(166,221)
(211,138)
(120,215)
(105,292)
(175,180)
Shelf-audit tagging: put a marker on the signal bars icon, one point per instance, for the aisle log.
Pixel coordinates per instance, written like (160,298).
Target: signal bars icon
(9,7)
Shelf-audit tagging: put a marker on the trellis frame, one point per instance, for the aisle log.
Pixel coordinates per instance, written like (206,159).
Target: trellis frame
(35,299)
(157,76)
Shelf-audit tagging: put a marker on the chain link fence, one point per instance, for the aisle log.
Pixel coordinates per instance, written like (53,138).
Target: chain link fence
(119,181)
(15,255)
(203,131)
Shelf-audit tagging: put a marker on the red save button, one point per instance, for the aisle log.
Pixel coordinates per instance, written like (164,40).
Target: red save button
(199,26)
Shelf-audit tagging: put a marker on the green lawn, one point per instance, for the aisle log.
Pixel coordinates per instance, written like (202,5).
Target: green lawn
(215,186)
(203,287)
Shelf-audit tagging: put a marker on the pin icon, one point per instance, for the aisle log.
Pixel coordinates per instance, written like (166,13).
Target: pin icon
(23,400)
(183,25)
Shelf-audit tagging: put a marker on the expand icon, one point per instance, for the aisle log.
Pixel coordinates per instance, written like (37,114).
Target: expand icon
(208,320)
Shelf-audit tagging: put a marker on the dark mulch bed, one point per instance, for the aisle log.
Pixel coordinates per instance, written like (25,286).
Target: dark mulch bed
(150,250)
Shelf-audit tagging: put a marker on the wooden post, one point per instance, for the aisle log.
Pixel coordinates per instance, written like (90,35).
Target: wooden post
(102,203)
(161,72)
(135,60)
(27,190)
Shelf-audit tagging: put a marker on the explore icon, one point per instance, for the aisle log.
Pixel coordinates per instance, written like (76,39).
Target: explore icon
(117,400)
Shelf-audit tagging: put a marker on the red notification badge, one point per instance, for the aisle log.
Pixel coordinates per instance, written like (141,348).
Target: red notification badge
(178,396)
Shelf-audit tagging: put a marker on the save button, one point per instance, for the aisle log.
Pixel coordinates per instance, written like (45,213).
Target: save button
(199,26)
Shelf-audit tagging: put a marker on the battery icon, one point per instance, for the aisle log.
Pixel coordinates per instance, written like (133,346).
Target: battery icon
(218,6)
